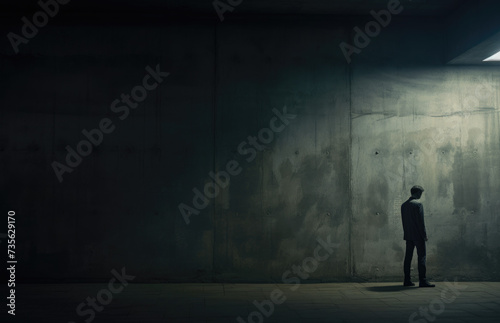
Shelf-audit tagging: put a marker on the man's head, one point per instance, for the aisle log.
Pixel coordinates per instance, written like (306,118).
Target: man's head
(416,191)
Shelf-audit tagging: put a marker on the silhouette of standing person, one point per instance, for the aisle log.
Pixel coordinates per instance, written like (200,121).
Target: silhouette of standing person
(412,216)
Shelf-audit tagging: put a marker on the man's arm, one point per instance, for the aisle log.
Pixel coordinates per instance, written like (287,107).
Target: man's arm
(422,222)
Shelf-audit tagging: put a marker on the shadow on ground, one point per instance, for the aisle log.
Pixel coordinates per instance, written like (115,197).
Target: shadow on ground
(392,288)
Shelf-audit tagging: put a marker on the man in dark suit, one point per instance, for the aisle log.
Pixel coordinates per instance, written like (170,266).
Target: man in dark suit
(412,215)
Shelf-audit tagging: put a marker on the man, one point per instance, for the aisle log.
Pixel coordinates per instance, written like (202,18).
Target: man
(412,215)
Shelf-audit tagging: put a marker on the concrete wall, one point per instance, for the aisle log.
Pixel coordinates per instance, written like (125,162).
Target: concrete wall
(423,123)
(363,134)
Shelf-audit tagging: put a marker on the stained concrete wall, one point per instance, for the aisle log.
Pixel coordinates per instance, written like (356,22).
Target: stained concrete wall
(363,134)
(430,125)
(297,188)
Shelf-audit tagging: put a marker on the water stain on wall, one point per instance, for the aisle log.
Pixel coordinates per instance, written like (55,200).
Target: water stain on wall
(466,185)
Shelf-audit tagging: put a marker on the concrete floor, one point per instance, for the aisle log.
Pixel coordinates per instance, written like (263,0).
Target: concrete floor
(332,302)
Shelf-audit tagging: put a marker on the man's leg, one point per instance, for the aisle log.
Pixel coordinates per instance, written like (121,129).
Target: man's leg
(410,246)
(421,253)
(422,258)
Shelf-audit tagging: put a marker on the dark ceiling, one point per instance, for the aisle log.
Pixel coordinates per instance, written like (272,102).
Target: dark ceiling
(337,7)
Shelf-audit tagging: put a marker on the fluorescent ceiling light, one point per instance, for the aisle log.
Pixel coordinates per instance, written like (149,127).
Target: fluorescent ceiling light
(495,57)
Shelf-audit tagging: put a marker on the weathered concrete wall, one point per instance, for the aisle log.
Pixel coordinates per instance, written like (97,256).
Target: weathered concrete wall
(297,188)
(363,134)
(431,125)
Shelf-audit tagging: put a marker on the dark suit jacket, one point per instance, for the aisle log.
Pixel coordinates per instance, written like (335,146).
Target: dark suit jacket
(412,216)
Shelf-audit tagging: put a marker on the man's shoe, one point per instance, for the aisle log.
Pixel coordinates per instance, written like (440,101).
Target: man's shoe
(408,284)
(425,283)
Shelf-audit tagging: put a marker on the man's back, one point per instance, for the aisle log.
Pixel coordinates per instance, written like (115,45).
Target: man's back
(412,216)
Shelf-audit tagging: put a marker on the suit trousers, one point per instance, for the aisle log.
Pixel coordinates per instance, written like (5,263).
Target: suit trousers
(421,255)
